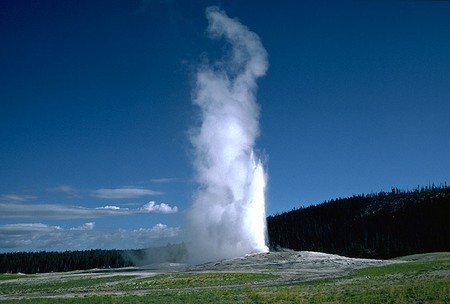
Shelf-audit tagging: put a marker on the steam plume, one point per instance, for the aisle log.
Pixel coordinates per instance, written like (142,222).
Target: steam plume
(227,216)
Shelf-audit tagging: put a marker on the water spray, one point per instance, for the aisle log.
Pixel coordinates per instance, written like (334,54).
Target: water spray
(227,217)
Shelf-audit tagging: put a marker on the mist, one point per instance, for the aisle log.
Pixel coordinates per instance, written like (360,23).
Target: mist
(227,215)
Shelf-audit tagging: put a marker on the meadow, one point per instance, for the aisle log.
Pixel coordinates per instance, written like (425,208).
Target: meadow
(419,279)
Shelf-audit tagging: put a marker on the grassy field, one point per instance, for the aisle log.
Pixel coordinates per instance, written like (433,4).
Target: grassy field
(423,279)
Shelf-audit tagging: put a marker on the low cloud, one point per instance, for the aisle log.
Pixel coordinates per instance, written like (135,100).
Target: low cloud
(16,197)
(156,232)
(28,227)
(24,235)
(123,193)
(158,208)
(38,236)
(57,211)
(85,226)
(110,208)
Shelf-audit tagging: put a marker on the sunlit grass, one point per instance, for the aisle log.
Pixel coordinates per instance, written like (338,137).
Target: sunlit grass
(9,276)
(413,282)
(68,284)
(410,268)
(189,280)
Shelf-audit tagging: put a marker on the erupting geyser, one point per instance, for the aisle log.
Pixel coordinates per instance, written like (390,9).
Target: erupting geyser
(227,217)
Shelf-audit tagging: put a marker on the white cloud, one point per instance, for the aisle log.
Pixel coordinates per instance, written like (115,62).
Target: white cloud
(16,197)
(29,227)
(123,193)
(39,236)
(107,207)
(85,226)
(23,210)
(159,208)
(156,232)
(58,211)
(21,235)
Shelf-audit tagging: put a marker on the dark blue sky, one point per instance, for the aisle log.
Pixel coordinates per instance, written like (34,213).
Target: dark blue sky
(95,107)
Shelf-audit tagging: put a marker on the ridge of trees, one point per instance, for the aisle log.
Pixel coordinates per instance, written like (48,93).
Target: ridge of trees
(381,225)
(43,261)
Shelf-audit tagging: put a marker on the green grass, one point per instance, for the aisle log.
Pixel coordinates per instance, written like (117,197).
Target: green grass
(410,268)
(9,276)
(218,296)
(362,291)
(77,283)
(190,280)
(411,282)
(432,256)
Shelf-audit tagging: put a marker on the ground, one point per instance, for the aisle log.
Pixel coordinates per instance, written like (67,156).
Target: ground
(288,276)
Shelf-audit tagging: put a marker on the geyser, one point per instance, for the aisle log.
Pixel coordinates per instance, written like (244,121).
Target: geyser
(227,217)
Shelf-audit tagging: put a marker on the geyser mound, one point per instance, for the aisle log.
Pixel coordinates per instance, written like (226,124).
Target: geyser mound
(227,217)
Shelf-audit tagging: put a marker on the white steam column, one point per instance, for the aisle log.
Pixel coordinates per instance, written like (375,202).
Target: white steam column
(227,217)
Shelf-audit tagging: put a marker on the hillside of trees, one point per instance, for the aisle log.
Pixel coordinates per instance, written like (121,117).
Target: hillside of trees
(39,262)
(382,225)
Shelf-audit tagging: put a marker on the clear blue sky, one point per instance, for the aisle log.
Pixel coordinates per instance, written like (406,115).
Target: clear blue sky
(95,106)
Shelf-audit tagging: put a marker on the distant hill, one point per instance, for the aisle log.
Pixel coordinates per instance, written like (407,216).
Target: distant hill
(382,225)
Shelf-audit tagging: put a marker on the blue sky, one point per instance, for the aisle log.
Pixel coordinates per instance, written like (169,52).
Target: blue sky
(95,110)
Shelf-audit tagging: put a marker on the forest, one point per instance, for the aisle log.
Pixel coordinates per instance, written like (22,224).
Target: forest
(43,261)
(382,225)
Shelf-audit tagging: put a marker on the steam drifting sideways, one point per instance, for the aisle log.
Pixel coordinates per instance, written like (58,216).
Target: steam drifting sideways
(227,217)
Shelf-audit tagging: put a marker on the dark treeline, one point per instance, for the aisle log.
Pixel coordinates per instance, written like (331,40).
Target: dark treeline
(382,225)
(43,261)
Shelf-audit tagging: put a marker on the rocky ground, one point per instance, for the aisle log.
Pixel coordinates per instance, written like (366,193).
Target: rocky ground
(293,266)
